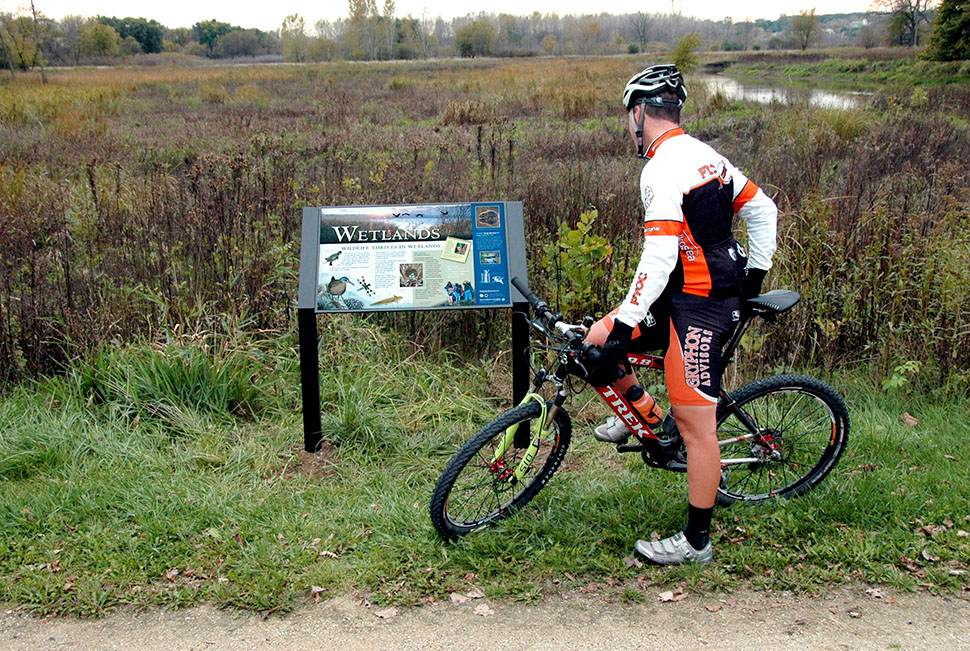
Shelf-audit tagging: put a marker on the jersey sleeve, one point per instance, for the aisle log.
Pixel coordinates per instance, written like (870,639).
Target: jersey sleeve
(761,216)
(662,226)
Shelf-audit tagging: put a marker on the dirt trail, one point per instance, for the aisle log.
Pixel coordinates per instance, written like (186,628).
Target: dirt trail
(843,619)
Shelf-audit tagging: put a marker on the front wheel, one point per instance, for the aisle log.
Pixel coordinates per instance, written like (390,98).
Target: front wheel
(483,483)
(797,429)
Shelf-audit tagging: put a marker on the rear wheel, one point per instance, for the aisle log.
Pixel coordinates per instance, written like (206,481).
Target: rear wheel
(478,486)
(799,429)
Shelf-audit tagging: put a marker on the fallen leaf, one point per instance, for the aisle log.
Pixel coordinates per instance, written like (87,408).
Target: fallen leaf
(713,609)
(327,553)
(484,610)
(855,614)
(666,596)
(458,598)
(315,591)
(171,574)
(239,540)
(962,534)
(950,457)
(928,556)
(475,593)
(909,420)
(632,562)
(876,593)
(834,610)
(681,596)
(387,613)
(952,573)
(468,577)
(654,536)
(70,584)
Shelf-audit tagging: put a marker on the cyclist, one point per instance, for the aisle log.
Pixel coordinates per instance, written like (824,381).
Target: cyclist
(685,292)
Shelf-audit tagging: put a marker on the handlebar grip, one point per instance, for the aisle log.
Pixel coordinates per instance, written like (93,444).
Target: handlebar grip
(534,300)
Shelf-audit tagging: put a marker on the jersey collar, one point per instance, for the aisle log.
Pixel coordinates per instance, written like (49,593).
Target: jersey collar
(662,138)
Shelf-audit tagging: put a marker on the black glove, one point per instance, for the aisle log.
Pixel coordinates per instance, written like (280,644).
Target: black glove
(751,285)
(604,366)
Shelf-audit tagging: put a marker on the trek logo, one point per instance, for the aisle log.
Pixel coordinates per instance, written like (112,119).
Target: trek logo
(635,299)
(697,357)
(621,409)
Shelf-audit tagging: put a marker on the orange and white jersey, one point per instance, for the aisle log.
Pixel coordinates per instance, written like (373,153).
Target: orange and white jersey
(690,196)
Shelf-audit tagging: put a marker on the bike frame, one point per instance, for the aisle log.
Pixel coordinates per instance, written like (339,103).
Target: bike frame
(624,410)
(541,427)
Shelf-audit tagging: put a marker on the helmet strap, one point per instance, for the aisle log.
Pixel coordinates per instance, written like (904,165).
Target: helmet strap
(639,131)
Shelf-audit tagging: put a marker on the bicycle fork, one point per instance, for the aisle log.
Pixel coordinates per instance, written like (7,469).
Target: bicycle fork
(540,429)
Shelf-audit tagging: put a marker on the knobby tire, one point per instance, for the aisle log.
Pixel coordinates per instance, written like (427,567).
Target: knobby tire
(473,493)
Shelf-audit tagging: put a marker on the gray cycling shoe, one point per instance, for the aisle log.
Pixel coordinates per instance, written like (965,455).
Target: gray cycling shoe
(612,431)
(674,551)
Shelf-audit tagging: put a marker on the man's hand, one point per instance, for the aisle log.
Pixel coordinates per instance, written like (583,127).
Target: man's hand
(751,285)
(604,367)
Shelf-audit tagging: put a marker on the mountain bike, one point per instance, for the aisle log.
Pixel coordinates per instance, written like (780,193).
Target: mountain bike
(779,436)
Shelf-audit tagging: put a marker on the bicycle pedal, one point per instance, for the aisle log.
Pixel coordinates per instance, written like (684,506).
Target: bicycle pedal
(677,466)
(629,447)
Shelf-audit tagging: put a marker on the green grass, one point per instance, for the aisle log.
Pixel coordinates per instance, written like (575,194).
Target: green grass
(106,498)
(874,71)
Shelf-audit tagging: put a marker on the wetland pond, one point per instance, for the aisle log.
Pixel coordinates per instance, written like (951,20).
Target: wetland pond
(765,92)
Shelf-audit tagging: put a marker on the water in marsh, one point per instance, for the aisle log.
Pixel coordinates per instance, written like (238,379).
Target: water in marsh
(763,93)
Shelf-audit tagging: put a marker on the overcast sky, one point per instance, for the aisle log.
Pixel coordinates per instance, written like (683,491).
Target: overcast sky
(269,15)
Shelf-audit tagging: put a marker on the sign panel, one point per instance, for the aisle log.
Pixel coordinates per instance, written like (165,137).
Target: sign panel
(412,257)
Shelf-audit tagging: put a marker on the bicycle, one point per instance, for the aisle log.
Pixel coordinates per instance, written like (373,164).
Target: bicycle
(779,436)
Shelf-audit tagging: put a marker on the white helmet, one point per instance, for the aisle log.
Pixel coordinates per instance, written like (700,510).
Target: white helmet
(647,85)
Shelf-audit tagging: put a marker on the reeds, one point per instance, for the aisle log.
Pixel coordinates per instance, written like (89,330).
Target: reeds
(135,201)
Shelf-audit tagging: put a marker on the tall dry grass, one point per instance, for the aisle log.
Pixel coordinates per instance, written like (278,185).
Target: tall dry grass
(139,200)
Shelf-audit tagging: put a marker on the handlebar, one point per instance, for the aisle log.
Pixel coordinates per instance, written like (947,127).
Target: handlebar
(539,305)
(543,312)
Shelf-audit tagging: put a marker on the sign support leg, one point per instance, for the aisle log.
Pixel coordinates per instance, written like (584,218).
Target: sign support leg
(310,379)
(520,363)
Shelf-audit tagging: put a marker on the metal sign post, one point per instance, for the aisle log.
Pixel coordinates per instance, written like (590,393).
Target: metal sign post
(410,257)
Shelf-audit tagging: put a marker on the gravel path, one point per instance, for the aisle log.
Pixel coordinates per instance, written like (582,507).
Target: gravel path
(842,619)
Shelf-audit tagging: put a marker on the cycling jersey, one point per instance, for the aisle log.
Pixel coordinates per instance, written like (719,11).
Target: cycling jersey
(690,195)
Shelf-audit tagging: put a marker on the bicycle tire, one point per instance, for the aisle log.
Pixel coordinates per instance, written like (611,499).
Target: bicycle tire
(804,419)
(449,513)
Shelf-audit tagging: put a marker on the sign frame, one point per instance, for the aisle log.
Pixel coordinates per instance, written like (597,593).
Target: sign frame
(510,232)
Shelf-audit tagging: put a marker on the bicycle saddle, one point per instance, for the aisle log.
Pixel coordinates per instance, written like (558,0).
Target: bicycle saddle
(776,301)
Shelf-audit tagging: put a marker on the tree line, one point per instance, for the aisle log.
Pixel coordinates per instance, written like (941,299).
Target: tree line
(370,32)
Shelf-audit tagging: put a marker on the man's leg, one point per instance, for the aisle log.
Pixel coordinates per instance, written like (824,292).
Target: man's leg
(697,426)
(692,373)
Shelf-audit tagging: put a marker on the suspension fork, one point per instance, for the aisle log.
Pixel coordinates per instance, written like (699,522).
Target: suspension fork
(540,429)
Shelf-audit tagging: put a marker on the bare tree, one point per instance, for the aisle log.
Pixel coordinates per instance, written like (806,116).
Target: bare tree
(37,39)
(641,28)
(907,16)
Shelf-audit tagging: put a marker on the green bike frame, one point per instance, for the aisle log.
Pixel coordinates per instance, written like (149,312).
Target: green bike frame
(539,429)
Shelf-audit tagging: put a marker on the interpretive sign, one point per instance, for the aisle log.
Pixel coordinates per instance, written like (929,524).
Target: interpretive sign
(448,256)
(412,257)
